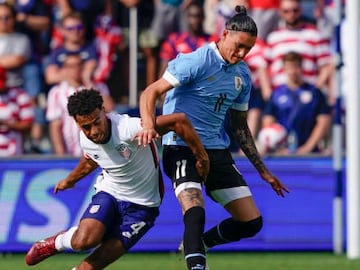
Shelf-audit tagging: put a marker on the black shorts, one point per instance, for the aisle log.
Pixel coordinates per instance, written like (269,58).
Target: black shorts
(179,165)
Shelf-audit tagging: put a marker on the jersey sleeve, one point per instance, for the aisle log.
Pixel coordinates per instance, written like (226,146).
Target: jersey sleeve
(126,126)
(241,103)
(134,125)
(185,67)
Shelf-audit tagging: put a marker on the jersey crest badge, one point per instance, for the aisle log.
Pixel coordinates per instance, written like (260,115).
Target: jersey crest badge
(238,83)
(94,209)
(123,150)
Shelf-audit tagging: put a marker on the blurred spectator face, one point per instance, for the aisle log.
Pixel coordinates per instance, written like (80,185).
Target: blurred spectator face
(6,20)
(73,67)
(73,29)
(290,12)
(293,70)
(195,18)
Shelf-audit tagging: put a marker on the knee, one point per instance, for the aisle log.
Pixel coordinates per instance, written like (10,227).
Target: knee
(254,226)
(234,230)
(84,241)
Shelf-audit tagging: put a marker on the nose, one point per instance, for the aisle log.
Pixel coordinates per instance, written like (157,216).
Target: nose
(94,131)
(242,53)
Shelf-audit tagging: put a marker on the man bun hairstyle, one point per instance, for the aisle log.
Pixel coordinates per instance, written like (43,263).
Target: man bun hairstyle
(241,22)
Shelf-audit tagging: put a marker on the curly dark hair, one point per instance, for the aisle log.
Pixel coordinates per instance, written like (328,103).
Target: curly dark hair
(84,102)
(242,22)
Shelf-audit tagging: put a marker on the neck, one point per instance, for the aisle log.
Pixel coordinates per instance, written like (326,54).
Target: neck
(294,84)
(73,45)
(74,83)
(218,46)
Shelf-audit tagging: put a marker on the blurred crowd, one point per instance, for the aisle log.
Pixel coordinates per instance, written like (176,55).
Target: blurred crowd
(51,48)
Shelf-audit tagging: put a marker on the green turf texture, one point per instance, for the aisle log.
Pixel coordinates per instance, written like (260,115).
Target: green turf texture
(217,261)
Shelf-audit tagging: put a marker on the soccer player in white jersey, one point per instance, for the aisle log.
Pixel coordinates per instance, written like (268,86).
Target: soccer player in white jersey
(129,189)
(206,84)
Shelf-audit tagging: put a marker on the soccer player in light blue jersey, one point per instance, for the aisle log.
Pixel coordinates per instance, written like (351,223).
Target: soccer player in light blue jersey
(206,85)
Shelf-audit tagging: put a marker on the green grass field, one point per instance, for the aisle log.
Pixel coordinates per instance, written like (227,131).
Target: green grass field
(217,261)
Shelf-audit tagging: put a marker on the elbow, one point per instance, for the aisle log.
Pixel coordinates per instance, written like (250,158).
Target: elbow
(180,122)
(181,118)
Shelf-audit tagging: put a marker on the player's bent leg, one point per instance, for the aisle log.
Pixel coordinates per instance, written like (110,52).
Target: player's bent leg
(108,252)
(246,221)
(191,201)
(230,230)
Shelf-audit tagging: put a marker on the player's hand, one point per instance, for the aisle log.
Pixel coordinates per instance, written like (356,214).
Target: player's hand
(203,167)
(145,136)
(62,185)
(276,184)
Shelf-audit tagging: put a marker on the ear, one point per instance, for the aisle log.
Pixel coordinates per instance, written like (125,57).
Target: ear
(225,33)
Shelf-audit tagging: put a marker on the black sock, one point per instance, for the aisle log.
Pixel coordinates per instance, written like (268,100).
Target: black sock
(230,230)
(194,221)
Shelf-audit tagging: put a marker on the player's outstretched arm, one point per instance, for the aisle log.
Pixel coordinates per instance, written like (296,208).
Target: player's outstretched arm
(83,168)
(182,126)
(240,129)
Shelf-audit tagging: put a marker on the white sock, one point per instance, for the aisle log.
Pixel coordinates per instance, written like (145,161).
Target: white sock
(63,240)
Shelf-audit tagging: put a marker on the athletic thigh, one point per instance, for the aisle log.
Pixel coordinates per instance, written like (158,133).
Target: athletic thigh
(226,185)
(243,209)
(97,218)
(133,222)
(223,172)
(179,165)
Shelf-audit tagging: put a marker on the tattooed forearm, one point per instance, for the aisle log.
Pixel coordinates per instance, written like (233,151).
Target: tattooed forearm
(246,142)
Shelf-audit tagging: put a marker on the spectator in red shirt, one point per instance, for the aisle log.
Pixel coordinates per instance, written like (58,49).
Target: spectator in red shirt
(16,117)
(304,38)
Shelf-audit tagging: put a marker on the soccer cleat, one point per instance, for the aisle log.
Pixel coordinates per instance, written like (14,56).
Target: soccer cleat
(41,250)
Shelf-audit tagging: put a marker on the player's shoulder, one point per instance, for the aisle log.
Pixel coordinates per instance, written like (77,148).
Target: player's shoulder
(202,52)
(124,119)
(207,54)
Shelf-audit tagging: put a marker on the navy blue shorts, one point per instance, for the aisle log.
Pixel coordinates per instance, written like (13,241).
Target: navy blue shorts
(124,220)
(223,172)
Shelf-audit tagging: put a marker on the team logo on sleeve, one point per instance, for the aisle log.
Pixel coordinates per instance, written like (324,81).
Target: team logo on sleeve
(238,83)
(123,150)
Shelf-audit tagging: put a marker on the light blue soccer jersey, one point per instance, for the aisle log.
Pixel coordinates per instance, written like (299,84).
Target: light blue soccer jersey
(205,87)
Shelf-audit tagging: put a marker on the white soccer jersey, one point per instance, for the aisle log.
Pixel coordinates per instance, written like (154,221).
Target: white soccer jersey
(130,172)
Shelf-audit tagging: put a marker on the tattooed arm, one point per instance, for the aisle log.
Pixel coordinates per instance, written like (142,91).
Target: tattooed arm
(240,130)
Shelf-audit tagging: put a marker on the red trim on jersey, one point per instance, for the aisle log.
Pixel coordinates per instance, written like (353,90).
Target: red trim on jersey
(161,185)
(154,153)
